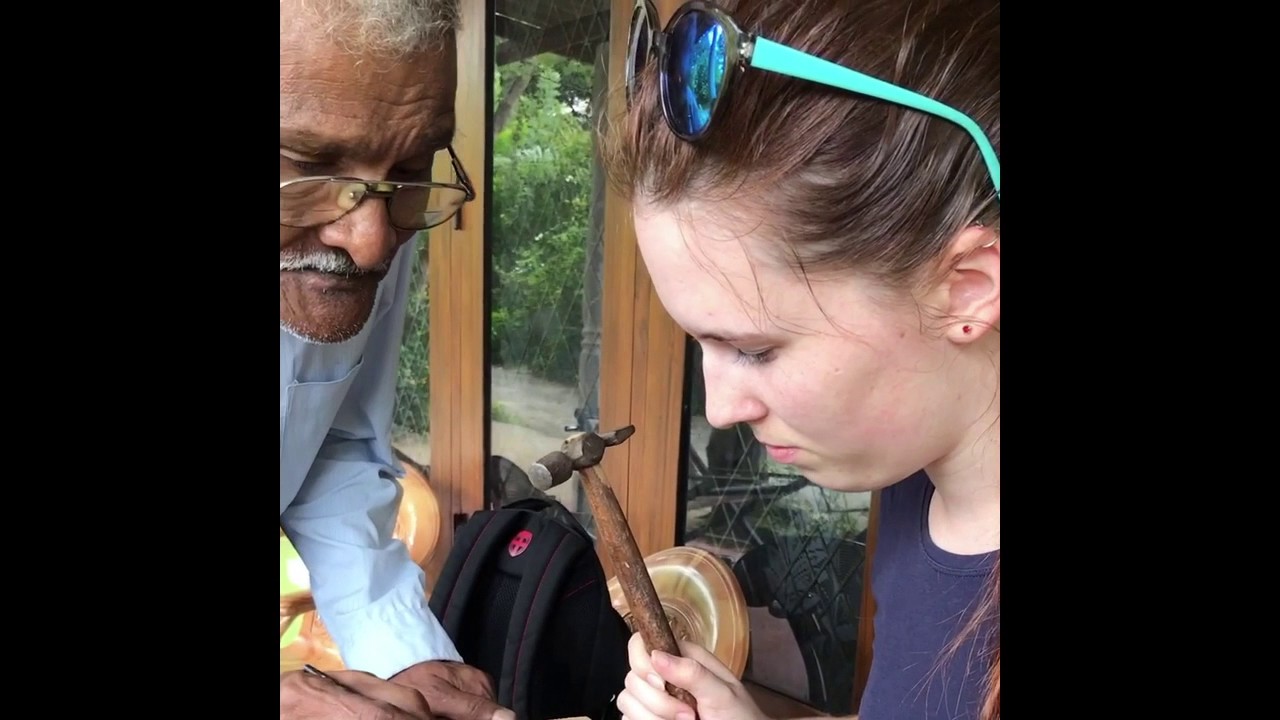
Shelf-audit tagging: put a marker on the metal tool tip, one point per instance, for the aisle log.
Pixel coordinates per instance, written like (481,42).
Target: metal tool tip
(619,436)
(540,477)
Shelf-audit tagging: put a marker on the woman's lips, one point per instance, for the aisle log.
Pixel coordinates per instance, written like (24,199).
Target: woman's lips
(781,454)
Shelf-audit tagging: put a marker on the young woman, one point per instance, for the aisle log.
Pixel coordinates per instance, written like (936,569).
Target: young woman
(815,187)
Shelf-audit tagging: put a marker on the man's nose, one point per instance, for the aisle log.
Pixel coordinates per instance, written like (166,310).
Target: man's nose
(365,233)
(730,397)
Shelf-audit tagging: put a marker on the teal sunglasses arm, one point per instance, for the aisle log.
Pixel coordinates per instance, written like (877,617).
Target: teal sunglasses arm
(769,55)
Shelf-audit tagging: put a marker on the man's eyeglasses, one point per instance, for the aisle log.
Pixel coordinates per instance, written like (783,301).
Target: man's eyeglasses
(703,48)
(312,201)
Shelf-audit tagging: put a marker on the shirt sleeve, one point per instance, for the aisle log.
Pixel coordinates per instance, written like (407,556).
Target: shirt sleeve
(368,591)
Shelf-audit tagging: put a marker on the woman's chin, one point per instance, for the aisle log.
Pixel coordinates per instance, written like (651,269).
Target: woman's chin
(847,479)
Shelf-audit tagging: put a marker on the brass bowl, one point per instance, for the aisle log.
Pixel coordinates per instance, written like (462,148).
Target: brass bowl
(418,522)
(703,602)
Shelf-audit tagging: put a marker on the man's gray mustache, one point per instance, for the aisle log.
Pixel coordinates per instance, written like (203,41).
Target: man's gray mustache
(336,263)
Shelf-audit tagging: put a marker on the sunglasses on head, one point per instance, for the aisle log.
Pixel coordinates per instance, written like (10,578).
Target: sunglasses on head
(702,48)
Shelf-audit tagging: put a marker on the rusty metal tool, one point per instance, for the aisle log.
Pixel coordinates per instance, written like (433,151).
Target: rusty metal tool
(582,452)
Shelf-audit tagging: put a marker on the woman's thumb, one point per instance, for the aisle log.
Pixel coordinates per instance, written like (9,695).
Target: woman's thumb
(689,675)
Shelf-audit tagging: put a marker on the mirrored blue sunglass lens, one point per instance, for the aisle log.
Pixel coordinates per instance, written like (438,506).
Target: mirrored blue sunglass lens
(695,69)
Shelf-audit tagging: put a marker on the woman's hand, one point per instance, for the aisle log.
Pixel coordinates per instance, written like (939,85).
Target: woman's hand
(718,692)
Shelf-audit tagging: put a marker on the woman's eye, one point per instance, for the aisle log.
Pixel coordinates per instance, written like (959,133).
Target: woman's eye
(759,357)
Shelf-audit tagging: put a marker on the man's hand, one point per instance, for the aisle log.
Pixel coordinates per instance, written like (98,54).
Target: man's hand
(361,696)
(455,691)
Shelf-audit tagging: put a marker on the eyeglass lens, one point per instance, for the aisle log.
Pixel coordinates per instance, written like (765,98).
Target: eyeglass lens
(324,200)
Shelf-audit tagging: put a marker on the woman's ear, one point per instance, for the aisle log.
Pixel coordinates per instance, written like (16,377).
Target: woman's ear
(970,293)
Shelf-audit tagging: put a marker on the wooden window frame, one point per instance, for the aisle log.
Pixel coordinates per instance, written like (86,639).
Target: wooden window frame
(459,308)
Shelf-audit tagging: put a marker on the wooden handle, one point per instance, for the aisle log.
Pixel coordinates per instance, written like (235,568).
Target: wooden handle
(646,610)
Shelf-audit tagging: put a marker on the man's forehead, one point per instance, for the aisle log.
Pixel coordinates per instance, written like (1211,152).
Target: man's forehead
(316,78)
(334,103)
(315,68)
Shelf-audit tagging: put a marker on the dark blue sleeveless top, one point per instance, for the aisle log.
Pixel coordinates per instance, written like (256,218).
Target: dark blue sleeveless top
(924,597)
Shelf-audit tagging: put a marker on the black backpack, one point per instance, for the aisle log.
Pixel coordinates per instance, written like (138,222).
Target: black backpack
(524,597)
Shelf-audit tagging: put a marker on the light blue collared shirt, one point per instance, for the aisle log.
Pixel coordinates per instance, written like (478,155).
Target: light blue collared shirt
(339,493)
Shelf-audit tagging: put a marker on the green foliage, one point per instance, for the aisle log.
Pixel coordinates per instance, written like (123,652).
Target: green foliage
(499,413)
(414,372)
(542,178)
(541,191)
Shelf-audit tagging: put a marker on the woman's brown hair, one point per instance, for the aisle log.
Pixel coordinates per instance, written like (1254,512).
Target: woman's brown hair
(986,618)
(991,609)
(850,183)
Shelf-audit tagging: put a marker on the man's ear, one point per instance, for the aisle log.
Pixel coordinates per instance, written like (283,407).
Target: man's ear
(970,293)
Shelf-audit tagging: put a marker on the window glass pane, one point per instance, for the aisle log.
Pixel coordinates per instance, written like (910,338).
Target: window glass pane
(796,549)
(550,68)
(411,427)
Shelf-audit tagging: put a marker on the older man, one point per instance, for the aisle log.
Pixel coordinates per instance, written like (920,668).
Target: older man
(366,114)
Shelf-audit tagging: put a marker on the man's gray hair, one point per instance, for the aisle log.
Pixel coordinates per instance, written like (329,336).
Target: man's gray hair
(389,28)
